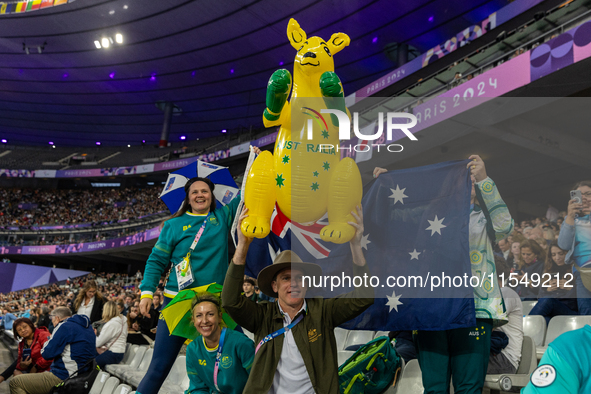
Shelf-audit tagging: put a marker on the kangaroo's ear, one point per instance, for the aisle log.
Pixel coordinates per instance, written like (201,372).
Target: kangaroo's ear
(337,42)
(295,34)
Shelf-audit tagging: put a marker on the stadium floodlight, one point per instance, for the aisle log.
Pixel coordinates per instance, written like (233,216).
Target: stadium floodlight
(119,38)
(97,44)
(105,42)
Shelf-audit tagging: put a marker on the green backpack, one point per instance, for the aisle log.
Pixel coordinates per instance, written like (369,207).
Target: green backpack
(371,369)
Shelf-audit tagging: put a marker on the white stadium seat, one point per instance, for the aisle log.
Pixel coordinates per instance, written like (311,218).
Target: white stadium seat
(99,382)
(411,381)
(135,377)
(381,334)
(129,353)
(110,385)
(527,306)
(340,335)
(122,389)
(534,326)
(118,370)
(357,337)
(174,380)
(559,325)
(527,365)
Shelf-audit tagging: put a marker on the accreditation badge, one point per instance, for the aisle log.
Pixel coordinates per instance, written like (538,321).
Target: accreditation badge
(184,275)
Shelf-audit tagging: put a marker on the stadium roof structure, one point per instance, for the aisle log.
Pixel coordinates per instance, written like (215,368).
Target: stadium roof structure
(211,59)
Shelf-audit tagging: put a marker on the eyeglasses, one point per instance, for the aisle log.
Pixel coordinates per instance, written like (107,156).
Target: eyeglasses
(587,194)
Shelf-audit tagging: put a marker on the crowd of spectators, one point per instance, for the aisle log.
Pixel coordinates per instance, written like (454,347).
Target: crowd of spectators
(65,207)
(37,303)
(531,248)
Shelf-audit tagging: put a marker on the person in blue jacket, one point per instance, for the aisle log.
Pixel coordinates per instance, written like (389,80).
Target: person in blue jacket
(71,346)
(236,351)
(565,367)
(8,319)
(194,241)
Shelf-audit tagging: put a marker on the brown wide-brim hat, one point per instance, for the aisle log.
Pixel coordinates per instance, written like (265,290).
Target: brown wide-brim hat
(285,259)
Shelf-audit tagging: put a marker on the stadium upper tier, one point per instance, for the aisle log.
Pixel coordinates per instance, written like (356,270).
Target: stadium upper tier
(31,207)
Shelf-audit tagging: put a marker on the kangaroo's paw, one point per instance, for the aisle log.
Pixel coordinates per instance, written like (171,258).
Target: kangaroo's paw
(256,226)
(337,233)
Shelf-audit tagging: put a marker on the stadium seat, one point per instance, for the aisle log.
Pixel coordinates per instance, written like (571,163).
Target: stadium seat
(528,364)
(381,334)
(110,385)
(118,370)
(129,353)
(535,328)
(559,325)
(177,373)
(99,382)
(122,389)
(343,355)
(527,306)
(340,335)
(357,337)
(353,340)
(134,377)
(411,381)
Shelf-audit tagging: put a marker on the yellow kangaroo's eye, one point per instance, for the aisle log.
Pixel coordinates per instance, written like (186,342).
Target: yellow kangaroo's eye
(327,51)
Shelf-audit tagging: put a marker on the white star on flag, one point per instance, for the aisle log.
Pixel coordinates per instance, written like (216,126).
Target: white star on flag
(414,255)
(398,194)
(436,225)
(393,301)
(365,241)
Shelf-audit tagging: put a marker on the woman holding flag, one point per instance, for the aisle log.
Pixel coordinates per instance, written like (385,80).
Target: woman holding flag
(194,243)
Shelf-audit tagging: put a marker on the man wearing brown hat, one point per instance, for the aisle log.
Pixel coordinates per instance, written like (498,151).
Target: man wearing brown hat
(296,350)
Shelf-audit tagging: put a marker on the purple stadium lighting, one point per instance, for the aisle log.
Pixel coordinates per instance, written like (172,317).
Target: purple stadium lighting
(66,75)
(143,141)
(232,71)
(153,77)
(281,63)
(4,141)
(193,73)
(50,143)
(183,137)
(112,75)
(375,39)
(431,18)
(224,131)
(98,143)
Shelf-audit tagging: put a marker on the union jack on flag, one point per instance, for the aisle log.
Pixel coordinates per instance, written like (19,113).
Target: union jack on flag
(287,235)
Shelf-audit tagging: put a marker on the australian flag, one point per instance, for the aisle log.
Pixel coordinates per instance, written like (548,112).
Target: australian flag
(415,243)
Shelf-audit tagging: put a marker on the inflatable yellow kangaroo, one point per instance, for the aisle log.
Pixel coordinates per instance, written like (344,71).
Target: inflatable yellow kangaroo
(305,176)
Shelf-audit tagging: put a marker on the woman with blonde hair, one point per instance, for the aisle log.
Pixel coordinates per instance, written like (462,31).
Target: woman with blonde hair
(112,340)
(89,302)
(233,351)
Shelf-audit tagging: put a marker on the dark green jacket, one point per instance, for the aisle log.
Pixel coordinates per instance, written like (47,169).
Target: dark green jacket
(314,335)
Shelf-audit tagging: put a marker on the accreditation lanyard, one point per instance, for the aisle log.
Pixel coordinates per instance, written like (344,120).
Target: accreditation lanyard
(281,331)
(185,262)
(218,358)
